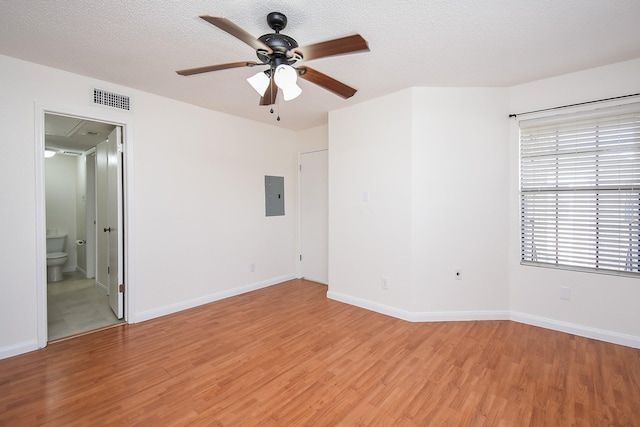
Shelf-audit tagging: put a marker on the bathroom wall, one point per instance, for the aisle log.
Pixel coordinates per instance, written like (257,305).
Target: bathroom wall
(61,177)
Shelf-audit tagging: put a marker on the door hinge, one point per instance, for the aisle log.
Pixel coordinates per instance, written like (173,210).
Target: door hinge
(121,288)
(300,168)
(300,257)
(108,270)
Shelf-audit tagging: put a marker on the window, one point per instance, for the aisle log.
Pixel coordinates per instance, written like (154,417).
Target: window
(580,190)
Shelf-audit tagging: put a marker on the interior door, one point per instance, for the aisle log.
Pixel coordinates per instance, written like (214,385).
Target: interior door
(90,216)
(102,217)
(314,216)
(114,215)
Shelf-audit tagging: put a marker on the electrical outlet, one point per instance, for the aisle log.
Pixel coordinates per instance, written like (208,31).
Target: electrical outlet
(458,274)
(252,267)
(384,284)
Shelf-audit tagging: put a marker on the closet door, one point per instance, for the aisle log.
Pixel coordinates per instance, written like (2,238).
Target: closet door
(314,215)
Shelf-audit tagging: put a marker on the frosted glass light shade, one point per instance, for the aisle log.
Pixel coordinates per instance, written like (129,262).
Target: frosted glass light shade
(49,153)
(291,92)
(260,82)
(286,77)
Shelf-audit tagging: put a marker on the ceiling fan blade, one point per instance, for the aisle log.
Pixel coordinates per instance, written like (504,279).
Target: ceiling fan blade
(348,44)
(270,95)
(209,68)
(237,32)
(326,82)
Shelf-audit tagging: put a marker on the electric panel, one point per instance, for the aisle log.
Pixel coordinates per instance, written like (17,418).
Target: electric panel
(274,195)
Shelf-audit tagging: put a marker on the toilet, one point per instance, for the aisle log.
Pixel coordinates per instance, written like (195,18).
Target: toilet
(55,257)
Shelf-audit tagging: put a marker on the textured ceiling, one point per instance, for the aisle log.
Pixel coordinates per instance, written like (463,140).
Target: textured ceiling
(141,43)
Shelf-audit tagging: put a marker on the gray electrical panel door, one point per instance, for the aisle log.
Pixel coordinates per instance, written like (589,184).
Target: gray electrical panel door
(274,195)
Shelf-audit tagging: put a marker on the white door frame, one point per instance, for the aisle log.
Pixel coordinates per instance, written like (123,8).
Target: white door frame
(107,116)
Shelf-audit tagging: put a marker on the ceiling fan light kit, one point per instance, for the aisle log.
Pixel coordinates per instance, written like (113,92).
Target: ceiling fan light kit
(280,53)
(285,78)
(260,82)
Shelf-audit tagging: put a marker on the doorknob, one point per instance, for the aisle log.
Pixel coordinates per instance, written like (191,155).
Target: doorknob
(107,230)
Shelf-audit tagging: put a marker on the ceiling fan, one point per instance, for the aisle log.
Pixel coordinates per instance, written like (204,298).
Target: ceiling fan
(281,54)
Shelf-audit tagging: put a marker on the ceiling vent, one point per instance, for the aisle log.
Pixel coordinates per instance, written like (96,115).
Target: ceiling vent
(110,99)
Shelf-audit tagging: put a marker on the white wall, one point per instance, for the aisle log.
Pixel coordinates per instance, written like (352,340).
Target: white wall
(200,203)
(600,305)
(61,177)
(460,188)
(433,161)
(313,139)
(197,216)
(370,152)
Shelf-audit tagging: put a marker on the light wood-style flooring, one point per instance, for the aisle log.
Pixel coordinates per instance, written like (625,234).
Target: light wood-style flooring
(288,356)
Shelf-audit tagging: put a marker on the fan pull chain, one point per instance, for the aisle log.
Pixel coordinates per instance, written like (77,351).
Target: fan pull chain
(278,99)
(273,97)
(271,92)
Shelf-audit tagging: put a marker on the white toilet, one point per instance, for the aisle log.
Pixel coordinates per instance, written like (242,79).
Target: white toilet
(55,257)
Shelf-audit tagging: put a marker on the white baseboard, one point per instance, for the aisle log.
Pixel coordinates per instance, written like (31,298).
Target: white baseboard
(103,287)
(575,329)
(455,316)
(206,299)
(16,349)
(412,316)
(370,305)
(460,316)
(556,325)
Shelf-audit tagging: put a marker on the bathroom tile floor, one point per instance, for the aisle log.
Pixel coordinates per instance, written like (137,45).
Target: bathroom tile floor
(76,305)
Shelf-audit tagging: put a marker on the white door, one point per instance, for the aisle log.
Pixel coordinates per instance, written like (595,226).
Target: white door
(102,217)
(90,216)
(314,216)
(109,219)
(114,216)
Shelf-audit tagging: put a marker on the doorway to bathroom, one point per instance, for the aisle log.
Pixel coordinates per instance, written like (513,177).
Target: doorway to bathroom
(83,188)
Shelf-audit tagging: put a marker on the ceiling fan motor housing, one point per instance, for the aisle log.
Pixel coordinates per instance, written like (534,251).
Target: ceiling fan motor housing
(280,44)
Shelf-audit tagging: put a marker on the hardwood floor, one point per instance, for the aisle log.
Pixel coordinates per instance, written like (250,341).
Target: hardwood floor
(286,356)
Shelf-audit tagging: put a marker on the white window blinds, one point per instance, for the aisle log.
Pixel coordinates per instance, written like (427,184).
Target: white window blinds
(580,190)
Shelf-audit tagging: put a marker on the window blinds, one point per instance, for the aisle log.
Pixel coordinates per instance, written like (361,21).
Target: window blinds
(580,190)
